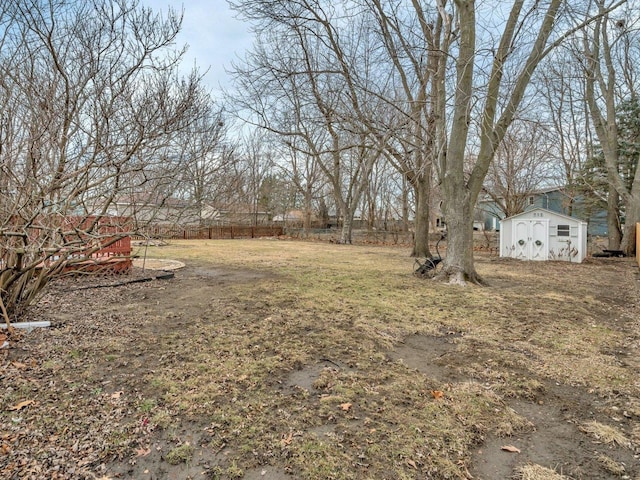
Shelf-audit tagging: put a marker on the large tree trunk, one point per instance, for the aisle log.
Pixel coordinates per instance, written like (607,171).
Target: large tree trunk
(613,220)
(459,194)
(598,52)
(421,235)
(308,209)
(405,204)
(347,227)
(458,266)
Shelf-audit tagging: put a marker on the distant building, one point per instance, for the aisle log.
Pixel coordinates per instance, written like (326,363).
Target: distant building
(147,209)
(150,209)
(234,214)
(556,199)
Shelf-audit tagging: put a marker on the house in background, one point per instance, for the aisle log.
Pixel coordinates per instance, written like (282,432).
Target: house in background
(151,209)
(146,209)
(294,218)
(555,199)
(234,214)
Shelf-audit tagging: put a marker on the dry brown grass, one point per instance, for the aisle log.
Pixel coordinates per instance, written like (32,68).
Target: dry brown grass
(547,313)
(538,472)
(606,434)
(610,465)
(218,354)
(533,318)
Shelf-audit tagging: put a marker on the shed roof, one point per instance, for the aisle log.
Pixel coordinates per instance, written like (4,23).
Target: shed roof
(551,212)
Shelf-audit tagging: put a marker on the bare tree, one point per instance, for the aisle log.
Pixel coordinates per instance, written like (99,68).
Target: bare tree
(305,174)
(561,84)
(611,56)
(529,34)
(205,155)
(454,101)
(302,81)
(92,106)
(412,44)
(522,165)
(257,157)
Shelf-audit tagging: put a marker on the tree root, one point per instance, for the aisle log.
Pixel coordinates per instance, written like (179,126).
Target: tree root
(461,278)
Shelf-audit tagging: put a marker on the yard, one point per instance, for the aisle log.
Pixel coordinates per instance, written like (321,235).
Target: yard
(267,359)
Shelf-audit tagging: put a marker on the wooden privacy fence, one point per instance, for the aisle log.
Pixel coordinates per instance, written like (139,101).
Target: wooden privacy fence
(208,233)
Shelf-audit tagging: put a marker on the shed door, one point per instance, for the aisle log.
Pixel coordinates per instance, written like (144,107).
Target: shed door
(531,237)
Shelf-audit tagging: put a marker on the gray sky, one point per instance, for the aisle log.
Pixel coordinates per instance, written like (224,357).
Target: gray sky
(214,36)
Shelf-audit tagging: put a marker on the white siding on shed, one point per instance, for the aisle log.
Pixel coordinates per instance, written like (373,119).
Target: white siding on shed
(541,234)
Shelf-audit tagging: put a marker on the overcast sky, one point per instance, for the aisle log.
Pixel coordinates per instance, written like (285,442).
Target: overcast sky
(214,36)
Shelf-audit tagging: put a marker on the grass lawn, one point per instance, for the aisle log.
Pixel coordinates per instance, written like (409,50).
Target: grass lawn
(287,360)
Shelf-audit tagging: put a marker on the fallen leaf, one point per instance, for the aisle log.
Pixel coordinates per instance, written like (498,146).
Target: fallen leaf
(19,365)
(286,440)
(437,394)
(345,406)
(143,452)
(117,395)
(5,449)
(412,464)
(510,448)
(22,405)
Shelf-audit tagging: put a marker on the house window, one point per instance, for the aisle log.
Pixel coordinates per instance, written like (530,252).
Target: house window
(563,230)
(532,200)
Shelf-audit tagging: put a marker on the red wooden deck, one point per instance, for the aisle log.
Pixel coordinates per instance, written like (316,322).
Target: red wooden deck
(112,259)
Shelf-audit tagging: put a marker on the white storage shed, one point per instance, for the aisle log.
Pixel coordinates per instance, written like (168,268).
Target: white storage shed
(541,234)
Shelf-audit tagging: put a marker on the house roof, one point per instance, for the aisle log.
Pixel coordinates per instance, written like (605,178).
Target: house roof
(542,191)
(486,198)
(552,212)
(150,199)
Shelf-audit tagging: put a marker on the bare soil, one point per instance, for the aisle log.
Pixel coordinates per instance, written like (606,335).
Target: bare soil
(113,387)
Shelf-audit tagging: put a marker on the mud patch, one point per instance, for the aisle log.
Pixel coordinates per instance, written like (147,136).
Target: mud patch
(206,271)
(306,377)
(153,457)
(554,437)
(266,473)
(555,441)
(431,355)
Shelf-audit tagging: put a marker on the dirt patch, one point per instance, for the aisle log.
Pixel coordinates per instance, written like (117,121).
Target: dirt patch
(180,451)
(307,376)
(555,417)
(431,355)
(266,473)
